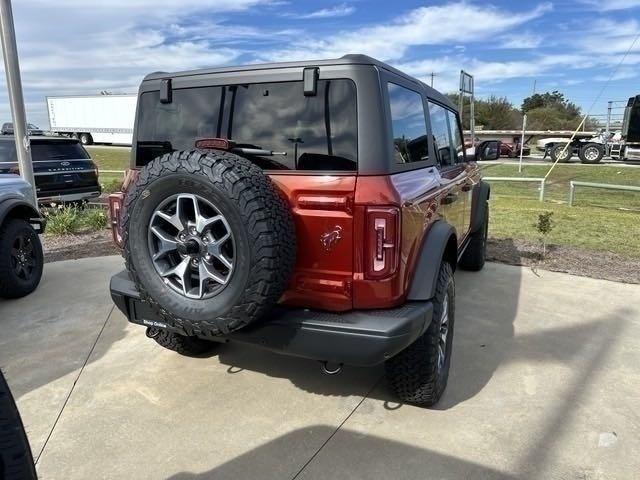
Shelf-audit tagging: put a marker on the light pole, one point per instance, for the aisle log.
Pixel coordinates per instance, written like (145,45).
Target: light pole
(16,100)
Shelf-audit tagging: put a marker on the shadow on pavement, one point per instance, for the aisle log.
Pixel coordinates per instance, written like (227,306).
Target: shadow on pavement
(584,348)
(48,334)
(365,457)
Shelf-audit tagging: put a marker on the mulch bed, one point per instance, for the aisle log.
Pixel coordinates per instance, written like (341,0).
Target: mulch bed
(572,260)
(575,261)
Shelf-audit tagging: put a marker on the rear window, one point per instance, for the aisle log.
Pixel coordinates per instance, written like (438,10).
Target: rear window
(57,151)
(306,133)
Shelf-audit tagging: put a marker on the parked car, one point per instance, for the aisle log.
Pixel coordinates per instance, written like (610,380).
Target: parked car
(7,129)
(512,150)
(21,257)
(63,170)
(309,208)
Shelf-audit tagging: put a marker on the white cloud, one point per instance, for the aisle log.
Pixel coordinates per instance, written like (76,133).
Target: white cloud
(342,10)
(520,40)
(611,5)
(433,25)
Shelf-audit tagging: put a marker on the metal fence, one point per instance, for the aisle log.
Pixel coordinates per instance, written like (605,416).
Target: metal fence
(573,184)
(541,181)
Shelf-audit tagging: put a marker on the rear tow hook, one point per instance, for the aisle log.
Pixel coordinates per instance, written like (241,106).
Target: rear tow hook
(330,369)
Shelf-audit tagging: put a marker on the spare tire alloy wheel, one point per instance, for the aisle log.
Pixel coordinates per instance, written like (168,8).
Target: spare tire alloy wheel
(191,246)
(208,240)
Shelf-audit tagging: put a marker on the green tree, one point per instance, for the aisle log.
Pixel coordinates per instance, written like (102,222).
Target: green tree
(551,111)
(494,113)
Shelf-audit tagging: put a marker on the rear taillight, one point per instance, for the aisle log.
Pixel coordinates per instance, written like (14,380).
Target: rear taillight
(383,241)
(115,207)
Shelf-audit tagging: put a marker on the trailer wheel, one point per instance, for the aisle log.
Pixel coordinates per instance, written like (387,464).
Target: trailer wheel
(85,139)
(591,153)
(560,155)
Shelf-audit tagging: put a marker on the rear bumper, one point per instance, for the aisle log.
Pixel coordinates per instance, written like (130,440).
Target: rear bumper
(360,338)
(48,197)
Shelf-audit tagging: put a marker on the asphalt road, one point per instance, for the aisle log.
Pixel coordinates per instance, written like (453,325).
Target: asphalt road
(544,384)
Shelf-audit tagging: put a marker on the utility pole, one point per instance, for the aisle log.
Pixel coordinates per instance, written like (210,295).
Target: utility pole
(534,86)
(433,74)
(609,109)
(16,100)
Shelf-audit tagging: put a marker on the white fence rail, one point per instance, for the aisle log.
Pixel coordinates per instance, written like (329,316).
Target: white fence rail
(609,186)
(541,181)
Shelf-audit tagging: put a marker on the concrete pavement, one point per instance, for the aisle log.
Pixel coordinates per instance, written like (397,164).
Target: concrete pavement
(544,384)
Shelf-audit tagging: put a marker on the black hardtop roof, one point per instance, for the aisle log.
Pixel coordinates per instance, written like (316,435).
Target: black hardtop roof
(351,59)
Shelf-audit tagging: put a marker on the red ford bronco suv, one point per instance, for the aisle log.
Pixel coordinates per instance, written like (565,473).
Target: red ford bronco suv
(318,209)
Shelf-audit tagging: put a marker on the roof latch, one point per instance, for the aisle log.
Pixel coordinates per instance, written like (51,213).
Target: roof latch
(310,81)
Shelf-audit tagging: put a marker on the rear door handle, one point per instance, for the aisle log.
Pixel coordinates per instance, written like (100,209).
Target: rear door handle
(449,198)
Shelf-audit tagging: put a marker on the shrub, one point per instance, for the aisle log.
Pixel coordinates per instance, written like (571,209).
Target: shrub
(94,219)
(62,220)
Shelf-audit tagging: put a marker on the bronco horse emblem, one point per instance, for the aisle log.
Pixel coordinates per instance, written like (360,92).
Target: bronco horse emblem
(331,239)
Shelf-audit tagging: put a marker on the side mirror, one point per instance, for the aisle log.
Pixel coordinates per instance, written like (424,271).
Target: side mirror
(488,150)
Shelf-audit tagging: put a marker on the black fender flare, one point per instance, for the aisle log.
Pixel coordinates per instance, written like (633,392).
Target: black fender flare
(434,249)
(481,193)
(13,203)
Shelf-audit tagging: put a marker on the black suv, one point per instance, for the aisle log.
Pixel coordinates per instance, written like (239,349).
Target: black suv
(63,169)
(7,129)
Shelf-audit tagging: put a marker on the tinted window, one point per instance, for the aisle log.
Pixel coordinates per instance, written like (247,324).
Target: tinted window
(456,136)
(8,151)
(306,133)
(408,124)
(57,151)
(633,132)
(442,137)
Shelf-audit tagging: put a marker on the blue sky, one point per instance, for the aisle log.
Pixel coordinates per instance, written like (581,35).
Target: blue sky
(75,47)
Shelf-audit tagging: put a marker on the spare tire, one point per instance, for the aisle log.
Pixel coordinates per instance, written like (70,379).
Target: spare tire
(208,240)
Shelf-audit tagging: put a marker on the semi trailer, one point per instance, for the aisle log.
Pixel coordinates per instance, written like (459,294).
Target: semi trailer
(93,118)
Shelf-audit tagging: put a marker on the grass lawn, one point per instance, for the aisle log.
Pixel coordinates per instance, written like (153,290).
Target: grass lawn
(600,220)
(110,158)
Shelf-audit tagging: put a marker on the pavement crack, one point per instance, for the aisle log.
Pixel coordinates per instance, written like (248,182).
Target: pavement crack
(375,384)
(75,381)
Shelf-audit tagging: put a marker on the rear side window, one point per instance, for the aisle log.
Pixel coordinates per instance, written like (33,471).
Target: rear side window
(456,136)
(409,125)
(57,151)
(306,133)
(442,135)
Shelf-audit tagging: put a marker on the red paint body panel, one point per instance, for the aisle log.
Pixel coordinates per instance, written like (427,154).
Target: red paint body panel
(321,205)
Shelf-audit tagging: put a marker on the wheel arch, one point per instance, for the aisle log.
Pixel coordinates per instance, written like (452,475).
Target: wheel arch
(19,208)
(440,243)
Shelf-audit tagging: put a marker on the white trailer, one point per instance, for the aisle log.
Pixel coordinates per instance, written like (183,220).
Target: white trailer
(93,118)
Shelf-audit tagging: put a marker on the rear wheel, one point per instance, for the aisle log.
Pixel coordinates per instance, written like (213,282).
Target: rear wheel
(420,372)
(561,154)
(21,259)
(591,153)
